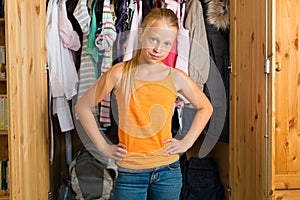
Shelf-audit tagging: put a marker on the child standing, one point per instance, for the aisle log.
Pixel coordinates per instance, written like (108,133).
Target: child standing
(146,90)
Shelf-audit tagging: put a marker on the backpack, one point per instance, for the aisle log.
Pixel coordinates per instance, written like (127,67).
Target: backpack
(201,179)
(65,191)
(90,179)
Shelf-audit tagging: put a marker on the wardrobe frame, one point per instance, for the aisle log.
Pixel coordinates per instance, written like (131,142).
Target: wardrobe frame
(247,175)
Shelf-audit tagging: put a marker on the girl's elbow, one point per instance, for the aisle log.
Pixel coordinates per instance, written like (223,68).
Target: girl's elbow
(210,109)
(82,106)
(77,106)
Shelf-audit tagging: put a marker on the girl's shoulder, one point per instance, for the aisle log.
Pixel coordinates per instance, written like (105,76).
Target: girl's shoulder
(180,78)
(116,72)
(178,74)
(118,66)
(117,69)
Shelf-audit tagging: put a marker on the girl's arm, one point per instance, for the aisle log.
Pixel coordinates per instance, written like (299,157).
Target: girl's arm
(188,88)
(102,87)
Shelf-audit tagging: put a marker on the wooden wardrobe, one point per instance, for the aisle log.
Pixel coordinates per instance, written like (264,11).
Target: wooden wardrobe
(265,107)
(28,137)
(262,158)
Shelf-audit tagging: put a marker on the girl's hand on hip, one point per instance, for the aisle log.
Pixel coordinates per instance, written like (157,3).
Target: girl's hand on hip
(115,151)
(175,146)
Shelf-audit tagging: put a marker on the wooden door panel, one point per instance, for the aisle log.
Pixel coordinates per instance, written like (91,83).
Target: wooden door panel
(287,88)
(248,99)
(27,99)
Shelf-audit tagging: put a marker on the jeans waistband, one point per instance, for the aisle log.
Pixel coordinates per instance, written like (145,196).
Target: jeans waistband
(121,169)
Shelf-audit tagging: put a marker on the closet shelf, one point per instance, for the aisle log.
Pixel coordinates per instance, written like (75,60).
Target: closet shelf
(4,197)
(3,132)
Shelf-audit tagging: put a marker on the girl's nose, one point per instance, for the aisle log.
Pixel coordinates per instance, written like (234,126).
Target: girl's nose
(157,49)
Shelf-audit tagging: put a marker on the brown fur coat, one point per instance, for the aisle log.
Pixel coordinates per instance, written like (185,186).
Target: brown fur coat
(217,13)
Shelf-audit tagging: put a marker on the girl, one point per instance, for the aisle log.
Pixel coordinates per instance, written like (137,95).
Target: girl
(146,90)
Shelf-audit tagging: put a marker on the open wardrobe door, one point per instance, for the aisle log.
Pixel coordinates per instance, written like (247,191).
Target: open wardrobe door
(247,100)
(286,99)
(27,99)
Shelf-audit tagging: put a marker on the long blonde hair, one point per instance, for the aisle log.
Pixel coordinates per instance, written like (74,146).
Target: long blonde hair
(130,68)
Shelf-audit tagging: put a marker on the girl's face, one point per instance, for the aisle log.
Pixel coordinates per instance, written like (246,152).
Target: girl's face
(156,42)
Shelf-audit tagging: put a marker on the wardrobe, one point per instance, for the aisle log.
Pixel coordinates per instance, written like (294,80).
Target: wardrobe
(261,159)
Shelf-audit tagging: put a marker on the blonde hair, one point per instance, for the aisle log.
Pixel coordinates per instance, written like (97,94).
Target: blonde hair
(130,67)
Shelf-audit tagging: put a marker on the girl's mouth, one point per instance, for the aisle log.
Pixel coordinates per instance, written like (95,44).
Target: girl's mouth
(155,57)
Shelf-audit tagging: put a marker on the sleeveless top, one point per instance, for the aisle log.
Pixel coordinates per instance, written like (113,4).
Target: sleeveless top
(145,122)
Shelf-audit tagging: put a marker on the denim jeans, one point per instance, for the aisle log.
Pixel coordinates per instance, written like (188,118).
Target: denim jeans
(162,183)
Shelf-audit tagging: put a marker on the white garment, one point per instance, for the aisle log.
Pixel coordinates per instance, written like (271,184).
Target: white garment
(67,34)
(82,15)
(183,43)
(62,109)
(62,71)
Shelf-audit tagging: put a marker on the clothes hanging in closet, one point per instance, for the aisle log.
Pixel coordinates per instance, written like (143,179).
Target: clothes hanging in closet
(216,15)
(170,60)
(91,46)
(86,71)
(199,61)
(132,41)
(183,42)
(62,72)
(104,42)
(199,52)
(71,4)
(124,14)
(63,40)
(68,35)
(96,19)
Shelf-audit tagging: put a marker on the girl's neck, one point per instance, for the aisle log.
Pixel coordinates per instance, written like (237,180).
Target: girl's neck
(152,72)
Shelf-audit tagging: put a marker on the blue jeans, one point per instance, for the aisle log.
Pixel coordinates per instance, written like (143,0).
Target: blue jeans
(162,183)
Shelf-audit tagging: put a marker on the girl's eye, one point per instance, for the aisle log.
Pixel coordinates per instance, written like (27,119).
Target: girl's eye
(167,44)
(153,40)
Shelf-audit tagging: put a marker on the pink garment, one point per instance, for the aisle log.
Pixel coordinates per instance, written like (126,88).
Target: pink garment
(171,4)
(69,37)
(183,41)
(170,60)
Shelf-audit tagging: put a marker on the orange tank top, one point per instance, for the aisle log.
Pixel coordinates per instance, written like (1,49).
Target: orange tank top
(144,123)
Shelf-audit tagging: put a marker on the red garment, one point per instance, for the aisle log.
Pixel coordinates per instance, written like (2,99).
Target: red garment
(170,60)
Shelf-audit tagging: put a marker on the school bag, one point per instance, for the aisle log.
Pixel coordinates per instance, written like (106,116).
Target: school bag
(201,180)
(65,191)
(90,179)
